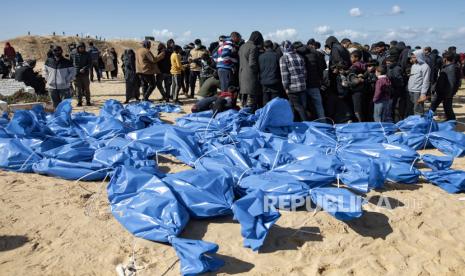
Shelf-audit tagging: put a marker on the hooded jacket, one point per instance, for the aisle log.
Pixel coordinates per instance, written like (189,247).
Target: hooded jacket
(59,73)
(248,65)
(338,54)
(81,60)
(314,64)
(419,80)
(9,51)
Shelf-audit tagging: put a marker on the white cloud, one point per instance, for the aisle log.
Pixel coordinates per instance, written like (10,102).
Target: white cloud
(351,34)
(396,10)
(323,30)
(355,12)
(165,34)
(282,34)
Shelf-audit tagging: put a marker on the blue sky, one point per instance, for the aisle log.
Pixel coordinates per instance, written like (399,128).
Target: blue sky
(436,23)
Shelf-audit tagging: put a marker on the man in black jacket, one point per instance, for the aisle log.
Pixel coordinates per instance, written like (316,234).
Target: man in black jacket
(270,76)
(446,86)
(399,95)
(334,107)
(82,62)
(315,65)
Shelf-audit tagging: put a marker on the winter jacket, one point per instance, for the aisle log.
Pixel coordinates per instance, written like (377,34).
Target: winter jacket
(248,65)
(396,76)
(338,54)
(165,63)
(108,59)
(269,68)
(94,53)
(447,81)
(194,57)
(315,64)
(25,74)
(9,51)
(176,66)
(146,62)
(419,81)
(293,73)
(382,89)
(81,61)
(59,73)
(226,57)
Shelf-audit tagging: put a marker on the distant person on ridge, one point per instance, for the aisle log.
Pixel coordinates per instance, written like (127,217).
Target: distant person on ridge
(59,72)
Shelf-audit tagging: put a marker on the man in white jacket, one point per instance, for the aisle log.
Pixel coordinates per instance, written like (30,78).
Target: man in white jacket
(418,83)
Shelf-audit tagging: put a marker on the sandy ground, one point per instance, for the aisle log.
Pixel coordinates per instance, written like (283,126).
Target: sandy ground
(50,226)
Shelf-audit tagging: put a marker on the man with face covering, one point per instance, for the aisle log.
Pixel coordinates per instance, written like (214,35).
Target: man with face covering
(58,72)
(249,71)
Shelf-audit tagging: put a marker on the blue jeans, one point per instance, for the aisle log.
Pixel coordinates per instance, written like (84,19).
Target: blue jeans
(382,111)
(225,76)
(315,97)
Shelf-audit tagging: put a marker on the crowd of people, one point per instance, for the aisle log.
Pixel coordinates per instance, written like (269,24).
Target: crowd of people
(339,81)
(344,81)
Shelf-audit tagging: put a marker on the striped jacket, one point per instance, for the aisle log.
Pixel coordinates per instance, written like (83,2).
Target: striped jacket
(59,73)
(227,55)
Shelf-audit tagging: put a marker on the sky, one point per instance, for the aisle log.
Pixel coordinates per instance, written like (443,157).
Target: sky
(438,24)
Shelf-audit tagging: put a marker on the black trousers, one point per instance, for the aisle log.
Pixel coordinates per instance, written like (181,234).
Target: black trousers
(447,101)
(95,66)
(82,84)
(194,75)
(357,103)
(399,107)
(164,85)
(270,92)
(148,85)
(298,101)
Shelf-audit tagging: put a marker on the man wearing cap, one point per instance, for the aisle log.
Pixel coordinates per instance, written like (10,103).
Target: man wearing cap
(195,56)
(82,62)
(58,72)
(146,68)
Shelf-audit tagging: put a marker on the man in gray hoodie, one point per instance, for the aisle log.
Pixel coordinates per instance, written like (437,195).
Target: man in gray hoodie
(418,83)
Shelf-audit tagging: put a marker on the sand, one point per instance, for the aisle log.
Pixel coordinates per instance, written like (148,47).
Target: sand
(50,226)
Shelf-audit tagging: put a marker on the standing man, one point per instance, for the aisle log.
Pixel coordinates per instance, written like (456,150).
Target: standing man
(82,63)
(227,59)
(294,77)
(315,65)
(248,71)
(195,56)
(270,76)
(58,72)
(447,86)
(146,68)
(163,79)
(94,54)
(418,83)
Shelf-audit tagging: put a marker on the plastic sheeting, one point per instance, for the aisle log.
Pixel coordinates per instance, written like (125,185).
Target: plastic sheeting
(247,165)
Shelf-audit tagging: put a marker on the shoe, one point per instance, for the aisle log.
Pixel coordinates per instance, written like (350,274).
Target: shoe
(126,102)
(79,104)
(178,103)
(88,104)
